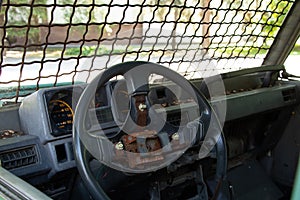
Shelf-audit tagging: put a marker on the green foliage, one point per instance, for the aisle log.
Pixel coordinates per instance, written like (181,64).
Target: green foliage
(241,51)
(20,16)
(90,51)
(296,49)
(277,9)
(87,13)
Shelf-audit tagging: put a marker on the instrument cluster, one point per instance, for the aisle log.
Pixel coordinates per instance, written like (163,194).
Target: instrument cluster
(60,107)
(110,98)
(61,103)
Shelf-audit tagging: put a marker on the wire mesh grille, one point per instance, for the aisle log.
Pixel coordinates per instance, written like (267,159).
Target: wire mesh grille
(54,41)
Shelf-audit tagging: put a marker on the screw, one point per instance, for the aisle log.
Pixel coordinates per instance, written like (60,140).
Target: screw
(142,107)
(175,136)
(119,146)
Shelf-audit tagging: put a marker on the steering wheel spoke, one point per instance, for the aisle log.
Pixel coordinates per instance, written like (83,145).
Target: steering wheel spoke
(137,80)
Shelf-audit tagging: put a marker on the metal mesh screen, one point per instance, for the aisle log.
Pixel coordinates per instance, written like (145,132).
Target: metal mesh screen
(55,41)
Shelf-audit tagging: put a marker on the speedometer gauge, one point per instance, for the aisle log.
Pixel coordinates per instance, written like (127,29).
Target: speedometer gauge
(61,116)
(60,104)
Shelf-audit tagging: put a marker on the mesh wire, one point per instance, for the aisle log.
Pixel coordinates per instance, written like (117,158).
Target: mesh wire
(53,41)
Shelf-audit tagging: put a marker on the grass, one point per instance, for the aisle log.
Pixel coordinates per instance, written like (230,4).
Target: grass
(90,50)
(55,52)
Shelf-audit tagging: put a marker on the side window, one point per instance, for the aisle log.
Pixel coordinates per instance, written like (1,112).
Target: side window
(292,62)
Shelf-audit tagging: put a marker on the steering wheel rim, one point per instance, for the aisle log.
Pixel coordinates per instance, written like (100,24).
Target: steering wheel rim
(82,157)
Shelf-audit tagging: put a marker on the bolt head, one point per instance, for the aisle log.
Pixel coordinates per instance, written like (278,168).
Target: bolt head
(119,146)
(175,136)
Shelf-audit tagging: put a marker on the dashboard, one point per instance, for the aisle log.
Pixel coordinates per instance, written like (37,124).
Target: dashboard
(43,144)
(47,115)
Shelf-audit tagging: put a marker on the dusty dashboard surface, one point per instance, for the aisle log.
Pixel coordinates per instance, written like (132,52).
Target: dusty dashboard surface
(47,115)
(43,145)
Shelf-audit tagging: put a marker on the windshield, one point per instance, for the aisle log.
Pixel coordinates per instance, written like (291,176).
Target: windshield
(46,43)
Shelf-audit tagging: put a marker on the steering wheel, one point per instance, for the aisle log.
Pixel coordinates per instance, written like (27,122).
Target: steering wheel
(143,143)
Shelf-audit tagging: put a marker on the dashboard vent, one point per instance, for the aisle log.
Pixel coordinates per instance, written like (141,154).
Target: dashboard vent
(289,95)
(19,157)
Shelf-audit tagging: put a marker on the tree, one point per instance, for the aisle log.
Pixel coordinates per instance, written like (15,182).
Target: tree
(19,16)
(171,7)
(274,17)
(2,37)
(206,15)
(269,21)
(88,13)
(181,13)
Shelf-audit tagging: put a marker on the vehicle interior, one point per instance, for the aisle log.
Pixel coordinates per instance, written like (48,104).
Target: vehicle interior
(149,99)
